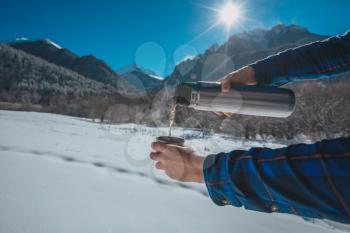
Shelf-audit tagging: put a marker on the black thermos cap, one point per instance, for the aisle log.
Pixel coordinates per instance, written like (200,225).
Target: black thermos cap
(183,94)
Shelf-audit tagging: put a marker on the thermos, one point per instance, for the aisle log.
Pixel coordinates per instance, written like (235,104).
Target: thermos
(246,100)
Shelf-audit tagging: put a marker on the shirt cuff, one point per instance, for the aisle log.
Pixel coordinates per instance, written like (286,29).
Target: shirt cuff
(218,181)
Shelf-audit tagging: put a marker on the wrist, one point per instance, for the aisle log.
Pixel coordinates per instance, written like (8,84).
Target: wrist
(198,168)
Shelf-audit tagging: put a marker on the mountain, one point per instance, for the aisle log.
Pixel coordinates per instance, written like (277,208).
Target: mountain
(88,66)
(134,67)
(142,79)
(240,50)
(30,83)
(21,70)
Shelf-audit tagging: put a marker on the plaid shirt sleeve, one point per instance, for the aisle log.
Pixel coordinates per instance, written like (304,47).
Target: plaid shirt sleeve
(311,61)
(312,181)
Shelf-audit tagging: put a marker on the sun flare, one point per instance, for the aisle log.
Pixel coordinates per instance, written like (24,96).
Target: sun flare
(230,14)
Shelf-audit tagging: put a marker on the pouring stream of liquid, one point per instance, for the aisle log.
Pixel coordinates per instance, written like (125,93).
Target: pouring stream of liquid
(172,119)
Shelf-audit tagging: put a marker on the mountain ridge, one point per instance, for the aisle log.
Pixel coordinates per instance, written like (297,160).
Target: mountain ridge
(239,50)
(88,66)
(144,80)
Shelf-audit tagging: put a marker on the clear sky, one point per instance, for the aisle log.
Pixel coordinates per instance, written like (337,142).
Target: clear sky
(155,33)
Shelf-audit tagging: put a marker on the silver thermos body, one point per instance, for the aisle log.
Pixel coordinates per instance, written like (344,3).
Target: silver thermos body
(246,100)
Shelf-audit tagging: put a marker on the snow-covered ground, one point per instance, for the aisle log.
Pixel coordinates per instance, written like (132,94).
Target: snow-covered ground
(62,174)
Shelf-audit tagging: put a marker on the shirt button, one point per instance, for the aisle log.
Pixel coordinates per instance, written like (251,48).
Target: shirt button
(225,202)
(273,208)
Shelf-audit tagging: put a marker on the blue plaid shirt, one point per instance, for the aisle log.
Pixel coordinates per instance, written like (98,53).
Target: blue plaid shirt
(308,180)
(315,60)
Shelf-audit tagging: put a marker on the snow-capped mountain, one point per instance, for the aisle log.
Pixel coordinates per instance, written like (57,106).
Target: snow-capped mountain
(142,78)
(22,38)
(20,70)
(134,67)
(241,49)
(53,43)
(89,66)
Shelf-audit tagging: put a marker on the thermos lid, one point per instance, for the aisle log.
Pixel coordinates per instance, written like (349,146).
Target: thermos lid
(184,90)
(171,140)
(183,94)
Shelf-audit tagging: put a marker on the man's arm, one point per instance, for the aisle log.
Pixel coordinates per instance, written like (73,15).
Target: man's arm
(310,61)
(307,180)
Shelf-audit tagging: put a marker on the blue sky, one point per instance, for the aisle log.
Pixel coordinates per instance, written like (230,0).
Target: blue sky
(155,33)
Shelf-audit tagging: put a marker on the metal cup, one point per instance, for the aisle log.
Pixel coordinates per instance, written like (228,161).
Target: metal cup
(171,140)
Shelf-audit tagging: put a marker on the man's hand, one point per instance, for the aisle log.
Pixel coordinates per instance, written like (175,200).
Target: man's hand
(244,76)
(179,163)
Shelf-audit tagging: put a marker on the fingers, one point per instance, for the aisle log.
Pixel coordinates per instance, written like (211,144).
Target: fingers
(159,147)
(226,85)
(228,114)
(243,76)
(224,114)
(160,166)
(159,157)
(219,114)
(164,153)
(154,156)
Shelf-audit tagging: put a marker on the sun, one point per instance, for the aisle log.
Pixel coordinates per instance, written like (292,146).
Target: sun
(230,14)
